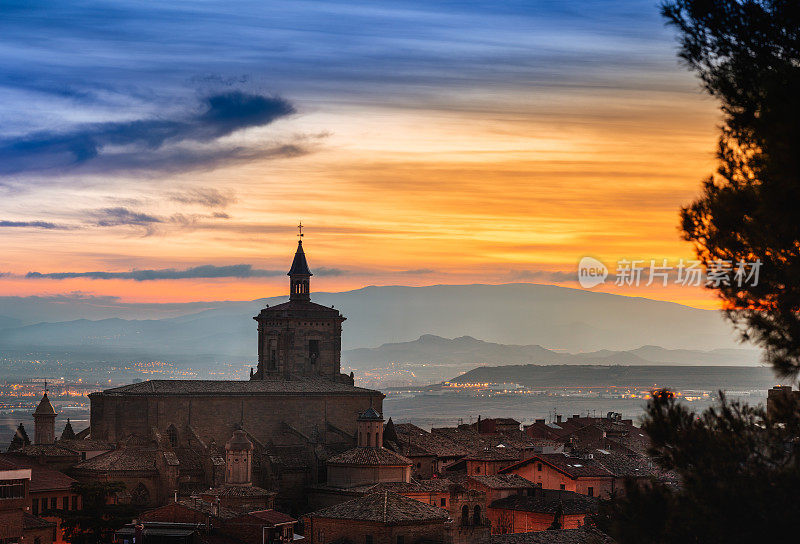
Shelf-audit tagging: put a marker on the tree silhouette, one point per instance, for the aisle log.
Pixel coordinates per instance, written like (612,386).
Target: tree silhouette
(747,54)
(737,468)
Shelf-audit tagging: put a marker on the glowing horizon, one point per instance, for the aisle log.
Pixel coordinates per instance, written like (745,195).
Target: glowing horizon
(419,146)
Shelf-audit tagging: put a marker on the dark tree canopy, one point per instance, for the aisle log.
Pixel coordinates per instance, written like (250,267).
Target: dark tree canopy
(738,470)
(747,54)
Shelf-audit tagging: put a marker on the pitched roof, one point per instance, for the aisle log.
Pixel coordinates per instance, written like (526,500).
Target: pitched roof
(44,408)
(574,467)
(46,450)
(43,478)
(503,481)
(85,444)
(370,456)
(295,386)
(273,516)
(384,507)
(227,490)
(548,501)
(299,264)
(582,535)
(124,460)
(29,521)
(370,414)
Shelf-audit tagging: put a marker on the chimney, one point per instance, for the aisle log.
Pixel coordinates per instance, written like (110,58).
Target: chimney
(539,421)
(575,416)
(558,418)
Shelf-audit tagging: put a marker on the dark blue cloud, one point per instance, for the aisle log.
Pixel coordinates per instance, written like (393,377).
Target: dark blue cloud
(119,216)
(221,115)
(32,224)
(198,272)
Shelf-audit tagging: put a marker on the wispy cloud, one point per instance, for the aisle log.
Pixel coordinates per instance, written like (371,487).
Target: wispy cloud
(198,272)
(47,225)
(417,271)
(153,144)
(204,196)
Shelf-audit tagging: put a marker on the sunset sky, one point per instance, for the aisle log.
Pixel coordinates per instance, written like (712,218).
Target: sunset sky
(419,143)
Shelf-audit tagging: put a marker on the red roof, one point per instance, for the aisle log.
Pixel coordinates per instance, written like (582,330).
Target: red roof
(43,478)
(574,467)
(273,516)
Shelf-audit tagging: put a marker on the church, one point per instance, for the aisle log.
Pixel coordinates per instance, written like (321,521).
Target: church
(297,409)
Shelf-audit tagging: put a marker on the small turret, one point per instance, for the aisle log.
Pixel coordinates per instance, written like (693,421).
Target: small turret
(44,422)
(239,460)
(370,429)
(68,433)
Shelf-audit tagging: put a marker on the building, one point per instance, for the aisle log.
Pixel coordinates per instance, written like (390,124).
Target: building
(48,490)
(380,518)
(499,486)
(297,409)
(219,524)
(540,510)
(369,462)
(781,396)
(17,524)
(238,492)
(561,471)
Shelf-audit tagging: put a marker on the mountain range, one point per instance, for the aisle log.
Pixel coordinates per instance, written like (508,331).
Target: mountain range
(520,320)
(469,351)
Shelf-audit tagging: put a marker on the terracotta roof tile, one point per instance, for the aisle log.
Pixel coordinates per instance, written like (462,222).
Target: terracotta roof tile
(384,507)
(43,478)
(503,481)
(548,501)
(370,456)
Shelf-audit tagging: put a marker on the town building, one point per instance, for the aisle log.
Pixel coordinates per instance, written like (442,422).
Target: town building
(560,471)
(380,518)
(540,510)
(17,524)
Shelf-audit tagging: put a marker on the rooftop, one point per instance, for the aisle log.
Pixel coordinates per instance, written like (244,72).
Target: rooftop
(370,456)
(227,490)
(582,535)
(384,507)
(503,481)
(548,501)
(295,386)
(43,478)
(572,466)
(125,460)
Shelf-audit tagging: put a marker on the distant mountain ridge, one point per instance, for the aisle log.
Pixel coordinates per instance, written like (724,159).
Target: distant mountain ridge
(555,317)
(429,348)
(642,377)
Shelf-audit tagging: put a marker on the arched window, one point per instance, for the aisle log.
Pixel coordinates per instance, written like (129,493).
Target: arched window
(465,515)
(172,435)
(377,441)
(476,515)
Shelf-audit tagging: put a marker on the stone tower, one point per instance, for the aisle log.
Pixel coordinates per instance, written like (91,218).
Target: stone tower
(370,429)
(44,422)
(299,338)
(239,460)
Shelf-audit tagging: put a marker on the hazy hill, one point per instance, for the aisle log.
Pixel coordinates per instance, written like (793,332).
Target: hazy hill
(466,350)
(645,377)
(515,314)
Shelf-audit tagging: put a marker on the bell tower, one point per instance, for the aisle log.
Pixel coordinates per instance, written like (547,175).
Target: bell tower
(299,338)
(299,274)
